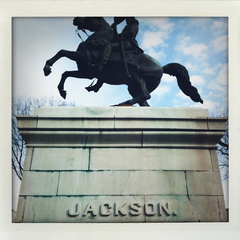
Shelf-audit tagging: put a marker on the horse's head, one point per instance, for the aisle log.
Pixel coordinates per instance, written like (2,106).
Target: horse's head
(89,23)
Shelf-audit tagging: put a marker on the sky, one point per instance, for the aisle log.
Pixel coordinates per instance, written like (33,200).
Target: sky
(199,44)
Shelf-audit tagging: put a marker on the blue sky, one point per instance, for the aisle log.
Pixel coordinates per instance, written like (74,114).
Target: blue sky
(200,44)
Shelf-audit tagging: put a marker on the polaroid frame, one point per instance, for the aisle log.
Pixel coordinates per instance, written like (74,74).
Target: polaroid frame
(156,8)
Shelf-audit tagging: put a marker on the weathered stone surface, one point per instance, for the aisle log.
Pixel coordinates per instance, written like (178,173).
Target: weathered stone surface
(149,159)
(222,209)
(122,209)
(21,209)
(216,123)
(27,122)
(82,209)
(163,123)
(207,208)
(28,159)
(110,209)
(214,160)
(125,112)
(76,123)
(60,159)
(204,183)
(183,139)
(121,164)
(39,183)
(151,112)
(122,183)
(179,209)
(77,111)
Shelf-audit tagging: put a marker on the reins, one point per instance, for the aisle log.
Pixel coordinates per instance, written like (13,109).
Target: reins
(83,30)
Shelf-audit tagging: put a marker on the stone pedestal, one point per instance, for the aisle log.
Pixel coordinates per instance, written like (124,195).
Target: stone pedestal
(121,164)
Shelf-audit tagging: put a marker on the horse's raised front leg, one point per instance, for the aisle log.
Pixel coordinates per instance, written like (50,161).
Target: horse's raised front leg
(95,87)
(65,75)
(72,55)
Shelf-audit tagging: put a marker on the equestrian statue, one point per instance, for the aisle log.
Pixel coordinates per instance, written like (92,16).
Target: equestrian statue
(116,58)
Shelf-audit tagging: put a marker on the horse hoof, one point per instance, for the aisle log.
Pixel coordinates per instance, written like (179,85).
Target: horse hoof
(63,94)
(47,70)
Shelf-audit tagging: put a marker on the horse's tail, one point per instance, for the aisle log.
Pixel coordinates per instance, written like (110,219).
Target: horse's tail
(181,73)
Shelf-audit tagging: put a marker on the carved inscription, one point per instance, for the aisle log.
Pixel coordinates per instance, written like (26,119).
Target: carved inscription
(121,209)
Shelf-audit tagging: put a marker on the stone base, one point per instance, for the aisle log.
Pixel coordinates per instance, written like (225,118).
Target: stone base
(121,164)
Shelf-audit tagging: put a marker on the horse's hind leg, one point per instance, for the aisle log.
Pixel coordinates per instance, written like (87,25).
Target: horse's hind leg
(72,55)
(139,92)
(134,94)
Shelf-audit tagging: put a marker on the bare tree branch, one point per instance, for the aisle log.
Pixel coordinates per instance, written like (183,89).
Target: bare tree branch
(26,106)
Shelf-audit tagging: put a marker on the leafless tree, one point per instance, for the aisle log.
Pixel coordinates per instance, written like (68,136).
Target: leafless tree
(223,146)
(26,106)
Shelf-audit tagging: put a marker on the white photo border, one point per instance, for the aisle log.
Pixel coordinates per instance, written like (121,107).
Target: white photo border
(9,9)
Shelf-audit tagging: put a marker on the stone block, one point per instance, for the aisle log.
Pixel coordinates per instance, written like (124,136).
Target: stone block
(60,159)
(73,139)
(214,160)
(217,123)
(27,122)
(206,208)
(122,183)
(152,112)
(117,209)
(83,209)
(84,112)
(119,112)
(163,123)
(204,183)
(39,183)
(222,209)
(75,123)
(121,209)
(173,209)
(180,138)
(28,159)
(20,209)
(149,159)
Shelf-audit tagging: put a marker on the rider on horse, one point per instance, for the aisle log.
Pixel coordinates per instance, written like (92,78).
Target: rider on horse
(105,42)
(129,33)
(126,39)
(99,40)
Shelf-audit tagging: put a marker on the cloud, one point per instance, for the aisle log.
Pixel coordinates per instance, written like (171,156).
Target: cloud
(220,43)
(182,95)
(158,54)
(208,104)
(158,23)
(219,26)
(161,91)
(197,50)
(218,88)
(222,77)
(155,38)
(197,80)
(211,70)
(168,79)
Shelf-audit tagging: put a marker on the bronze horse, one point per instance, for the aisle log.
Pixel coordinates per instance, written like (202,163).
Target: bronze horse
(145,72)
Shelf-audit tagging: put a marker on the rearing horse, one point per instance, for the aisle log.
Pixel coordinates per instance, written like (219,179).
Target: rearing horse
(145,71)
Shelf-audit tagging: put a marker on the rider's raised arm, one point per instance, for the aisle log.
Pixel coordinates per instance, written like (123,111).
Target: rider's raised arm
(132,27)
